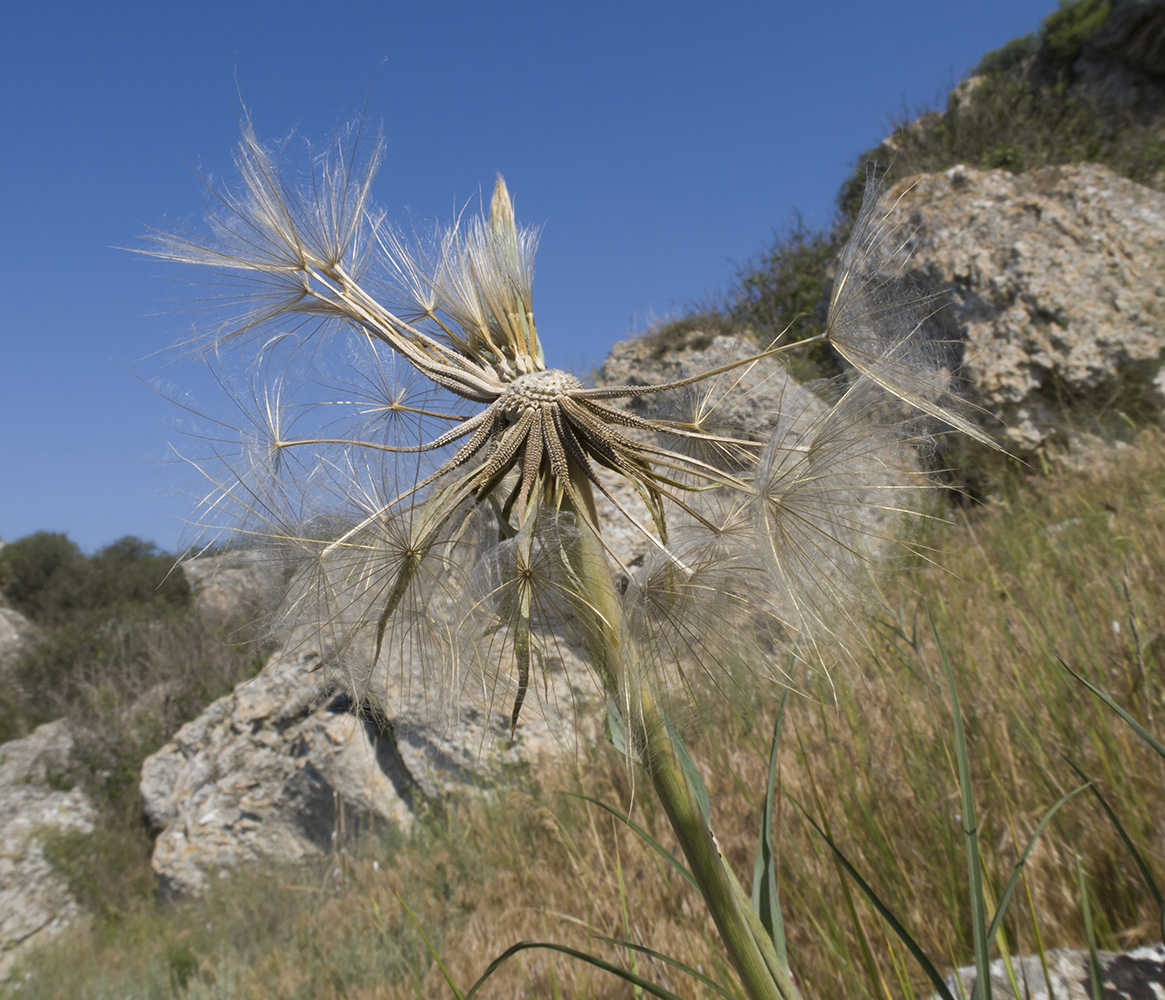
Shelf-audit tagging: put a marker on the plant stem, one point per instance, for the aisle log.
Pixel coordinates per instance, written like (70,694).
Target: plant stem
(617,666)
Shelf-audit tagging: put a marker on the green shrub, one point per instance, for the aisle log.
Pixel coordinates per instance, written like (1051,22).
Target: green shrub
(1009,55)
(30,566)
(1066,30)
(785,291)
(119,650)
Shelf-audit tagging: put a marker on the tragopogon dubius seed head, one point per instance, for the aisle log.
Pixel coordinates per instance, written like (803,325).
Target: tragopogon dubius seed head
(437,487)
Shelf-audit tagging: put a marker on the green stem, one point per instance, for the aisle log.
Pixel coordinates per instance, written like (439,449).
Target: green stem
(617,667)
(706,862)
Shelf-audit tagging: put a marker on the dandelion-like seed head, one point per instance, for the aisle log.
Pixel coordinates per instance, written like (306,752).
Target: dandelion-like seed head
(443,495)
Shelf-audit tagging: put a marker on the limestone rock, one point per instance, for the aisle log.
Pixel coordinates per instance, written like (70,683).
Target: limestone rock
(270,772)
(14,631)
(236,585)
(1126,975)
(760,392)
(286,767)
(35,903)
(1056,282)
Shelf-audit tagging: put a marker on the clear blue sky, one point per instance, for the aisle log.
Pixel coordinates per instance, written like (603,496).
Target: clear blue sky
(657,144)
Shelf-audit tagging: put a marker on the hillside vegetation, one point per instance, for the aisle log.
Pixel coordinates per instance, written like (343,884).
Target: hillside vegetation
(118,649)
(1073,566)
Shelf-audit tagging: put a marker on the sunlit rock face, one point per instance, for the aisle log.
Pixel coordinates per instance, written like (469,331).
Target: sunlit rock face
(1055,280)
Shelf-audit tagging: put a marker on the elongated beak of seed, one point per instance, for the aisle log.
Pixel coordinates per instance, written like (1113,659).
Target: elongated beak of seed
(501,210)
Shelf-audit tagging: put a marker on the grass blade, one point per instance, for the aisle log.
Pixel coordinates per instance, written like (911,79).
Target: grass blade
(1147,875)
(928,967)
(1005,899)
(674,962)
(970,834)
(635,980)
(867,954)
(636,991)
(1140,730)
(764,875)
(1090,932)
(432,951)
(654,844)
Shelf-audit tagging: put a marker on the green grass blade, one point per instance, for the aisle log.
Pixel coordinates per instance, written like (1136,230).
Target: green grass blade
(928,967)
(1090,932)
(867,953)
(636,991)
(635,980)
(1140,730)
(674,962)
(432,951)
(654,844)
(970,834)
(1005,898)
(1147,875)
(692,774)
(765,901)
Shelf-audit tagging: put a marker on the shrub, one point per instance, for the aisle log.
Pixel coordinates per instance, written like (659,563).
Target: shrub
(120,652)
(786,290)
(30,566)
(1066,30)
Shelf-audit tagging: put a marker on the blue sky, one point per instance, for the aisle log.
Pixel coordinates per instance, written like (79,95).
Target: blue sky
(658,145)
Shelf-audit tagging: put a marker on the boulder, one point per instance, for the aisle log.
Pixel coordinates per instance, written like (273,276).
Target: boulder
(289,767)
(35,804)
(239,585)
(1056,285)
(274,771)
(1126,975)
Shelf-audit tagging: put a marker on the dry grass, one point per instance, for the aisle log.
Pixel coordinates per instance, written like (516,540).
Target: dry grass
(1073,565)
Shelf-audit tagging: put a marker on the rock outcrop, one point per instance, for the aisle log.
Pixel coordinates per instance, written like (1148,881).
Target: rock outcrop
(1056,283)
(14,629)
(35,804)
(234,586)
(278,770)
(289,767)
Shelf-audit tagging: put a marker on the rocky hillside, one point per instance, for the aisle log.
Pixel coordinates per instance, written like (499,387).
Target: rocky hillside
(1051,270)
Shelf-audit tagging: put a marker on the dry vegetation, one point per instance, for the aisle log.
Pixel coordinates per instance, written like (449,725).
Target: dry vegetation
(1071,565)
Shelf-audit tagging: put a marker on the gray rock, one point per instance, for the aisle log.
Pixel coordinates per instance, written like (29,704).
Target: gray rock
(1056,283)
(273,771)
(35,903)
(14,632)
(1126,975)
(236,586)
(287,767)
